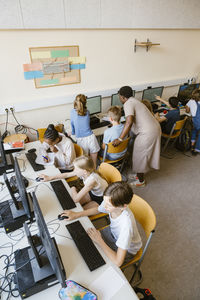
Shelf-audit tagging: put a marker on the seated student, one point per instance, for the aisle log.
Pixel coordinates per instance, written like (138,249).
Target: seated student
(110,134)
(173,115)
(61,146)
(121,240)
(91,195)
(148,104)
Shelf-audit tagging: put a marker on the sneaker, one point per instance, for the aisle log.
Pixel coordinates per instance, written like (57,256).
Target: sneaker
(137,183)
(133,176)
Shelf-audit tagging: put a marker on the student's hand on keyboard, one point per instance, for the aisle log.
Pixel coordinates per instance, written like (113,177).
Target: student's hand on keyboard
(158,98)
(95,235)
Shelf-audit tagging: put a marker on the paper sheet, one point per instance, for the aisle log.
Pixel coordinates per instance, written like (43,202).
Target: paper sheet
(107,284)
(40,160)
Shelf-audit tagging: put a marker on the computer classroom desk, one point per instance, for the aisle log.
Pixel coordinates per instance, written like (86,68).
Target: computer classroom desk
(108,281)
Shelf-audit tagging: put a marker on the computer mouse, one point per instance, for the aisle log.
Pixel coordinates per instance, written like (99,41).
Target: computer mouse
(60,217)
(32,150)
(39,179)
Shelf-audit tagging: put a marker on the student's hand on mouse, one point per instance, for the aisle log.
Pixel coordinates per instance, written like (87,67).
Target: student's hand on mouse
(116,142)
(95,235)
(45,177)
(70,214)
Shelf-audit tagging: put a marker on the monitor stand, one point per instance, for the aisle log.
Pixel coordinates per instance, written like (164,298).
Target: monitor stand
(30,278)
(12,218)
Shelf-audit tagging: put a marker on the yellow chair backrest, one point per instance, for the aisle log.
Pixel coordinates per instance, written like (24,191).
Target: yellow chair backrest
(179,124)
(110,173)
(41,131)
(121,147)
(78,150)
(143,213)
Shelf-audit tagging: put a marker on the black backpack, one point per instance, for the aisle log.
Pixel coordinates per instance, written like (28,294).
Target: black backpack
(183,142)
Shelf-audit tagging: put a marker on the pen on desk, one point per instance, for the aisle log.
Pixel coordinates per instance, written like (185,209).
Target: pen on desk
(45,157)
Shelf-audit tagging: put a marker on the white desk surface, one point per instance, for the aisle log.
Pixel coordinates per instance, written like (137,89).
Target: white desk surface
(75,267)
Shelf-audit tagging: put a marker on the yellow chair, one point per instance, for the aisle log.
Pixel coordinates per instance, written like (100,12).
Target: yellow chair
(41,131)
(144,215)
(79,152)
(110,149)
(174,134)
(111,174)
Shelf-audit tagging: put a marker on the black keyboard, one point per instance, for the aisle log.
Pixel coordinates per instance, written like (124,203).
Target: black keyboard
(62,194)
(85,246)
(31,158)
(100,124)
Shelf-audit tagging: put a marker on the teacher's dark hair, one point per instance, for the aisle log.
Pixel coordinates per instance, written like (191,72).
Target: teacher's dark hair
(126,91)
(51,133)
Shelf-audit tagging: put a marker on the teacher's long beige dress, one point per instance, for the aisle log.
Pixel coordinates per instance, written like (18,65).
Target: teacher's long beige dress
(146,149)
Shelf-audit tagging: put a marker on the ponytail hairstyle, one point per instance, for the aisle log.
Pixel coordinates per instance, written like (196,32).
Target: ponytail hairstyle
(80,104)
(51,133)
(84,162)
(196,95)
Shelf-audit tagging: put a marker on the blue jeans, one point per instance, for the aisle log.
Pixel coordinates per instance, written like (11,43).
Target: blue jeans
(193,139)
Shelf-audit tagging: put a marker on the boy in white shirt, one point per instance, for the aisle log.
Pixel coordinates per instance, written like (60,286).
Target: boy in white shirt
(121,240)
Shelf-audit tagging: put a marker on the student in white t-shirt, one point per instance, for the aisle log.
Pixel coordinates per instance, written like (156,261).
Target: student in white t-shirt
(61,146)
(121,240)
(193,106)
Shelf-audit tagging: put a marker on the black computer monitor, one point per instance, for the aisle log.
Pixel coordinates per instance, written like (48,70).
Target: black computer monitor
(150,93)
(45,266)
(94,105)
(49,246)
(185,92)
(22,189)
(115,99)
(6,160)
(15,212)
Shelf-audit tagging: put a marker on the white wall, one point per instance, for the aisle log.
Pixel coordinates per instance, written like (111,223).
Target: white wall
(23,14)
(111,63)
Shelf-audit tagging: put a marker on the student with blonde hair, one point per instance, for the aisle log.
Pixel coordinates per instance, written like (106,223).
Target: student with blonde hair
(91,195)
(80,124)
(110,134)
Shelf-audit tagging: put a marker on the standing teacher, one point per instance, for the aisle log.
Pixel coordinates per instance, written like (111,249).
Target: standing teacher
(146,149)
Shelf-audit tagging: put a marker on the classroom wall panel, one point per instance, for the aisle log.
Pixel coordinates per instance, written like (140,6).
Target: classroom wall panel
(116,13)
(166,14)
(43,14)
(82,14)
(10,15)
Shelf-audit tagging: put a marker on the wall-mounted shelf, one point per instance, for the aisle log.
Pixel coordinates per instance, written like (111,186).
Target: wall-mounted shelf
(146,44)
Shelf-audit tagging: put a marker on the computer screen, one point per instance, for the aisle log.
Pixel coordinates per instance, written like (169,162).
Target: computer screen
(94,105)
(22,189)
(115,99)
(16,203)
(185,92)
(150,93)
(2,154)
(50,248)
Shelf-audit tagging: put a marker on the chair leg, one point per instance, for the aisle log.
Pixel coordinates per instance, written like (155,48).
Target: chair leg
(165,146)
(137,271)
